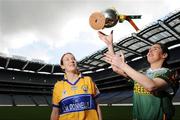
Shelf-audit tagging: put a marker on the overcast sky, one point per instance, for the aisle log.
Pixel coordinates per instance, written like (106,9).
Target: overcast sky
(45,29)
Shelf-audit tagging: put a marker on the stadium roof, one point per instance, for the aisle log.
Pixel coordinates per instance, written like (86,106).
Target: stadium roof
(166,31)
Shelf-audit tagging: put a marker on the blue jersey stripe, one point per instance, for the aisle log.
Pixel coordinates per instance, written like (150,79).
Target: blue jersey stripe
(77,103)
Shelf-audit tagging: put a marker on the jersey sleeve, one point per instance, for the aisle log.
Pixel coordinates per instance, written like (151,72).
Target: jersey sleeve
(55,96)
(94,88)
(165,75)
(97,92)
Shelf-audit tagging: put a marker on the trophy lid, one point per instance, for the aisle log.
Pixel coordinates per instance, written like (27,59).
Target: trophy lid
(97,20)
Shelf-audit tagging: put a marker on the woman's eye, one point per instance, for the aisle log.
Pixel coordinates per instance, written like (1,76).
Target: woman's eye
(67,59)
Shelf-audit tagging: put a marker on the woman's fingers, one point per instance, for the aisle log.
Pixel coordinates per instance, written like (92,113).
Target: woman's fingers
(111,36)
(103,36)
(101,33)
(108,39)
(116,60)
(108,57)
(108,60)
(111,31)
(121,55)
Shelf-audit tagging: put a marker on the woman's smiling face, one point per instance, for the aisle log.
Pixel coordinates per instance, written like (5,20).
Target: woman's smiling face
(155,53)
(69,63)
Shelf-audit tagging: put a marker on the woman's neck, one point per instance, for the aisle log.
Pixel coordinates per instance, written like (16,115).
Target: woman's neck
(156,65)
(72,76)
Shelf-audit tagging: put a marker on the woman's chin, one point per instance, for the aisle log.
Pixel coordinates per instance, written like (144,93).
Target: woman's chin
(73,70)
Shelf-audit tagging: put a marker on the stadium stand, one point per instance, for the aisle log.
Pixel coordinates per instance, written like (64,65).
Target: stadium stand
(177,97)
(23,100)
(30,83)
(5,100)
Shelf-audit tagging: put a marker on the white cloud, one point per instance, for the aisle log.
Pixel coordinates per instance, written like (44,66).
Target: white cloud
(39,54)
(172,5)
(71,31)
(18,40)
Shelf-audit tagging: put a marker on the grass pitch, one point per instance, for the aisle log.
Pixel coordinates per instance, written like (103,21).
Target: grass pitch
(43,113)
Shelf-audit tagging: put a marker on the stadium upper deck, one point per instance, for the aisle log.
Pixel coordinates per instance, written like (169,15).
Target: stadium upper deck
(166,30)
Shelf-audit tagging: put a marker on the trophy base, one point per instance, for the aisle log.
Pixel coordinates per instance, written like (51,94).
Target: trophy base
(97,21)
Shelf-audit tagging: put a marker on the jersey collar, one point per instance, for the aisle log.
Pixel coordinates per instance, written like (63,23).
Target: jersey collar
(154,70)
(79,77)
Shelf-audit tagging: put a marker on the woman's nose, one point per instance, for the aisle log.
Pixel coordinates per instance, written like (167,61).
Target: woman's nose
(72,61)
(150,50)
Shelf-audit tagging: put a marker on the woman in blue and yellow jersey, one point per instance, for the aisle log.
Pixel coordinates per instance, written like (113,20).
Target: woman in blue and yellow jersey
(152,99)
(74,97)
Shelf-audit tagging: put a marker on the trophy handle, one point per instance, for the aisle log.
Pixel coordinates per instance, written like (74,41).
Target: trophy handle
(132,23)
(129,19)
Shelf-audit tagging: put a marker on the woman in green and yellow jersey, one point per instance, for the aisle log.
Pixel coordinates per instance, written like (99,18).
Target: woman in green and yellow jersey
(152,90)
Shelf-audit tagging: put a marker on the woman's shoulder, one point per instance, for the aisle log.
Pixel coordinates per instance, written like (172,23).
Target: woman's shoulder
(59,82)
(87,78)
(162,70)
(165,69)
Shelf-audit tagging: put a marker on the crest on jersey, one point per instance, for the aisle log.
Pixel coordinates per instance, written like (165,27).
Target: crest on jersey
(64,93)
(74,87)
(85,88)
